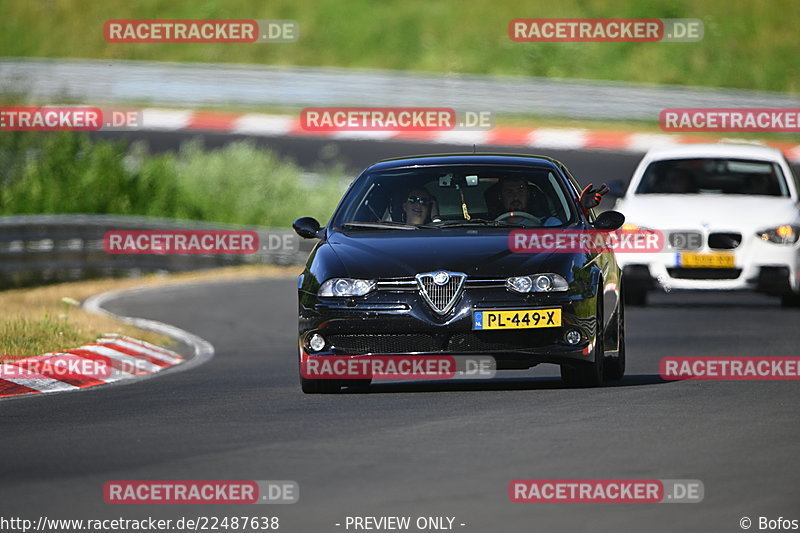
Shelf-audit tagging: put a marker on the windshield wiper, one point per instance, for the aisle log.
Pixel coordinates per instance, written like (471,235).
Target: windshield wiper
(386,224)
(479,222)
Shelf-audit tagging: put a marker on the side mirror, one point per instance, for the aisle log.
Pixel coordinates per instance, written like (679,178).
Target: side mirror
(306,227)
(609,220)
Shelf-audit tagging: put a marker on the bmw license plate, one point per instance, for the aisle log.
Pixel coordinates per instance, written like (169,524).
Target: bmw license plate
(710,260)
(517,319)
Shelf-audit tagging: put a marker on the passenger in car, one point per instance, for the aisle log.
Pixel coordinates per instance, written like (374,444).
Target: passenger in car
(418,206)
(516,195)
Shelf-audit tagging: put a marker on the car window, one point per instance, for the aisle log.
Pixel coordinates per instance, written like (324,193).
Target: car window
(438,194)
(714,176)
(553,179)
(576,192)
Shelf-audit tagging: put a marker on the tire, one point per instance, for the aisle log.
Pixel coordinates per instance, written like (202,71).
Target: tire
(589,374)
(615,369)
(791,299)
(320,386)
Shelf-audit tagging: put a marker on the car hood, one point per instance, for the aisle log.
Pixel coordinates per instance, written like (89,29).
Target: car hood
(482,253)
(722,212)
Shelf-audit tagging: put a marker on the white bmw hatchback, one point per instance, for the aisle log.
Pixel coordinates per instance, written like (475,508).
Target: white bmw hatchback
(729,216)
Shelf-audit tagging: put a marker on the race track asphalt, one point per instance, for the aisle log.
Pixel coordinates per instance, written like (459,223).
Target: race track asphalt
(438,449)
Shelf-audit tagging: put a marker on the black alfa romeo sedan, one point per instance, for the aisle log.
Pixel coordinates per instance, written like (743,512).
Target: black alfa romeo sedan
(416,260)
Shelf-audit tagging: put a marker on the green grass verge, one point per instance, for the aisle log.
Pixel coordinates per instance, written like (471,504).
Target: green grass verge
(239,184)
(25,336)
(747,44)
(37,320)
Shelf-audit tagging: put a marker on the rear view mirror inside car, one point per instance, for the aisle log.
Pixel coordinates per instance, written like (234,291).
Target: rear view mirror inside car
(452,180)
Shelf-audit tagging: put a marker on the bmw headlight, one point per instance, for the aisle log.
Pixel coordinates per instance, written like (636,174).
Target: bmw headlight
(537,283)
(785,234)
(343,287)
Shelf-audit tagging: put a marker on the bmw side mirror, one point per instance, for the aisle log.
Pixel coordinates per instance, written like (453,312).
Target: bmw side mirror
(306,227)
(609,220)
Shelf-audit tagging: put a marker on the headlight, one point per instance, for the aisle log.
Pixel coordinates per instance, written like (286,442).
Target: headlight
(537,283)
(786,234)
(342,287)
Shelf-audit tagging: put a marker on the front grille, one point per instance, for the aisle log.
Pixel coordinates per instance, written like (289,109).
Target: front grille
(724,241)
(441,297)
(484,341)
(704,273)
(358,344)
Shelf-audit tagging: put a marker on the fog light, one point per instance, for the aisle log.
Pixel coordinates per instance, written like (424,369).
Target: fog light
(316,342)
(573,337)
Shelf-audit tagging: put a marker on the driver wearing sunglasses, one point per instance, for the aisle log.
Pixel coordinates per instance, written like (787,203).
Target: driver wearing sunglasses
(417,206)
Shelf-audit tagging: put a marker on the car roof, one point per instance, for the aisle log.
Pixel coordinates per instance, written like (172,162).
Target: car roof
(466,159)
(739,151)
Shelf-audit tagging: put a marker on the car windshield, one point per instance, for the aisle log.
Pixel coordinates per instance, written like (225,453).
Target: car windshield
(453,196)
(713,176)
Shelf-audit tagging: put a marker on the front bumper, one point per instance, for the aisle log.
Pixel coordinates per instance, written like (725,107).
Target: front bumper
(758,266)
(399,322)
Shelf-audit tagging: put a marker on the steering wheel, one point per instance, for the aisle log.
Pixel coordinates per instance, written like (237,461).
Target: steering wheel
(518,214)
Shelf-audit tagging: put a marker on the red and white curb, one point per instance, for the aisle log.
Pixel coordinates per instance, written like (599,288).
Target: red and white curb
(129,359)
(544,138)
(121,357)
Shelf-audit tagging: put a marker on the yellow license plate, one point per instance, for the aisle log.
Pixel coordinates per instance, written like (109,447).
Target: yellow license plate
(517,319)
(711,260)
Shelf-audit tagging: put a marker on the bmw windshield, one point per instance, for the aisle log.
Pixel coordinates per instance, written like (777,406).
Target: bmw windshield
(714,176)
